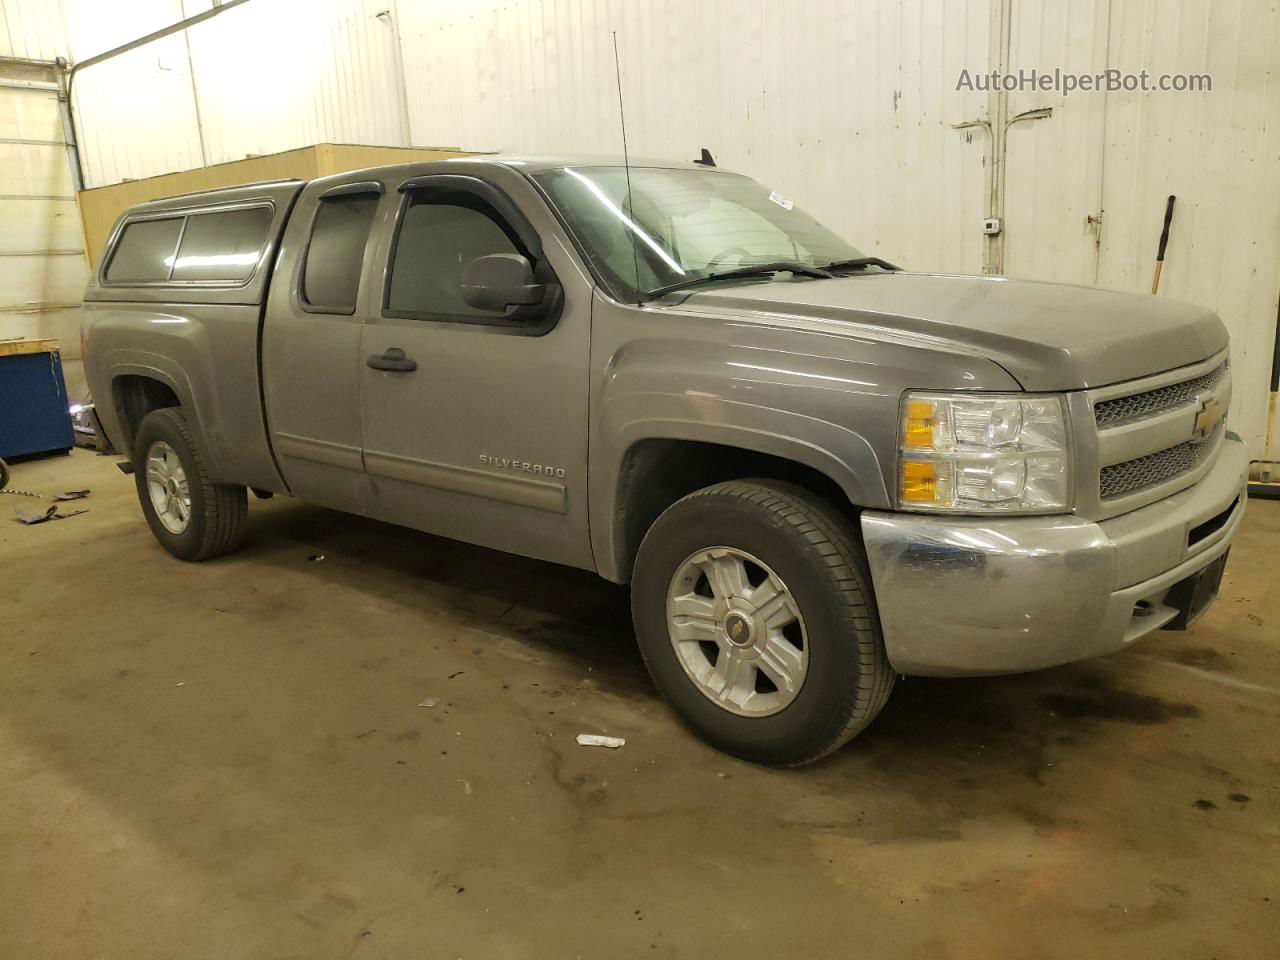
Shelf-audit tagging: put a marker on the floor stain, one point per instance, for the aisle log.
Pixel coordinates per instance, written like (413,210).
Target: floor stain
(242,806)
(1120,706)
(586,790)
(1206,658)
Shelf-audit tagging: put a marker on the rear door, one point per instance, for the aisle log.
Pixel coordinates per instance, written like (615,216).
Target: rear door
(311,342)
(485,440)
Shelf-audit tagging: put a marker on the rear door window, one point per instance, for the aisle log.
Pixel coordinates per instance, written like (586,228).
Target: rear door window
(222,246)
(145,250)
(335,253)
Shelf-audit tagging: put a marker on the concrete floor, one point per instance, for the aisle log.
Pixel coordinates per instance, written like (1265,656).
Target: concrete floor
(230,760)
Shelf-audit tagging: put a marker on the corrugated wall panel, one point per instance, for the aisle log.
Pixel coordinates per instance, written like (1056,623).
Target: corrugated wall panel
(31,30)
(1054,166)
(32,116)
(54,281)
(847,107)
(42,268)
(36,223)
(254,92)
(1121,154)
(136,114)
(1219,153)
(34,170)
(335,82)
(860,135)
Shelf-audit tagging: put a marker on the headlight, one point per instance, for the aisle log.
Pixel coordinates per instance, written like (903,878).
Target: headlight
(982,453)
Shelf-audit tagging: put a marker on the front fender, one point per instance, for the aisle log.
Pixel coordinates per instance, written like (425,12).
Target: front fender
(835,450)
(808,393)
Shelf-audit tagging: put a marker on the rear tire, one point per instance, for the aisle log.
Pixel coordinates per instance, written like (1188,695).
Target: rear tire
(197,519)
(776,539)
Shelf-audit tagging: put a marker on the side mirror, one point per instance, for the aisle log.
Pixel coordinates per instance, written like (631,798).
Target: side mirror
(501,281)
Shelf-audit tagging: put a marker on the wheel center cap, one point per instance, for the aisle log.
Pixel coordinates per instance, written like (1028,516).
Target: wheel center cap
(737,628)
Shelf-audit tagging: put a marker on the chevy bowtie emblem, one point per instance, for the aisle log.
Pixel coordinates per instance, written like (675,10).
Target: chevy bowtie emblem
(1210,413)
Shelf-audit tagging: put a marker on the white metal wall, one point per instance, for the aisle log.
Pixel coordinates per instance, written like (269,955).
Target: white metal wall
(42,264)
(1219,153)
(1121,155)
(845,106)
(31,29)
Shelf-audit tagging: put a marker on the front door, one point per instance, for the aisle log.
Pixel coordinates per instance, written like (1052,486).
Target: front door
(475,426)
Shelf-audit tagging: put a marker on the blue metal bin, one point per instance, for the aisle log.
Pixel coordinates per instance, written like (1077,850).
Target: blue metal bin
(34,411)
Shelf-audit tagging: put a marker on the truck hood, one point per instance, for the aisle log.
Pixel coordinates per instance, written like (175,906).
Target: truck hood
(1048,336)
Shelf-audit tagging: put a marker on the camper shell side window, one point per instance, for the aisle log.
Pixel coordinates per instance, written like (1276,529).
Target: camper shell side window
(222,246)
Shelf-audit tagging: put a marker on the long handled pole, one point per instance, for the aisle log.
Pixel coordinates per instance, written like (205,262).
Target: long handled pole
(1164,241)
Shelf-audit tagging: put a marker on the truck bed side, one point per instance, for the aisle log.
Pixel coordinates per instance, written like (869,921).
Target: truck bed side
(190,342)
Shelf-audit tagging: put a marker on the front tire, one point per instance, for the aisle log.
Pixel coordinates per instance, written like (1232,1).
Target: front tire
(191,516)
(754,614)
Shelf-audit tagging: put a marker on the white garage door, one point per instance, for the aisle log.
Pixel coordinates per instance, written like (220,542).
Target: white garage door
(42,264)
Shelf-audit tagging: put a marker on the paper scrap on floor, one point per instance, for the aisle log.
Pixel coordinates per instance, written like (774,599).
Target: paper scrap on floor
(595,740)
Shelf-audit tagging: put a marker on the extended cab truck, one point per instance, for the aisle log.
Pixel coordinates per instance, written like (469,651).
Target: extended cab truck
(817,471)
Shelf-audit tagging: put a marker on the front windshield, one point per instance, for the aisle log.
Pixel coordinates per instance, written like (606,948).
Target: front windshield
(685,224)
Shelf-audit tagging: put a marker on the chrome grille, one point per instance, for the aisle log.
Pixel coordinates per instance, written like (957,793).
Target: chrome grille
(1110,413)
(1155,468)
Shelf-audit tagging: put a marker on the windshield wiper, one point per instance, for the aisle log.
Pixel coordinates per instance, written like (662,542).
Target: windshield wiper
(859,263)
(756,270)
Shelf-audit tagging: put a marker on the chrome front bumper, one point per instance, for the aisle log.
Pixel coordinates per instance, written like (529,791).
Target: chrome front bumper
(973,596)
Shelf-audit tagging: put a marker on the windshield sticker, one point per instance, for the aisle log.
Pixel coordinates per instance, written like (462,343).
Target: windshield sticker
(781,201)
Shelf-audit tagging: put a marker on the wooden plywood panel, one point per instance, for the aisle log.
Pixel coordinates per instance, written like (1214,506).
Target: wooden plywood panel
(339,157)
(24,345)
(102,206)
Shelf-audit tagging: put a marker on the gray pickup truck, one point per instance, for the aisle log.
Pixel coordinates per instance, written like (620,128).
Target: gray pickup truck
(816,470)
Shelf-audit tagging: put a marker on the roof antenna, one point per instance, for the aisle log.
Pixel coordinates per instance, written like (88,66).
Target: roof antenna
(707,160)
(626,163)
